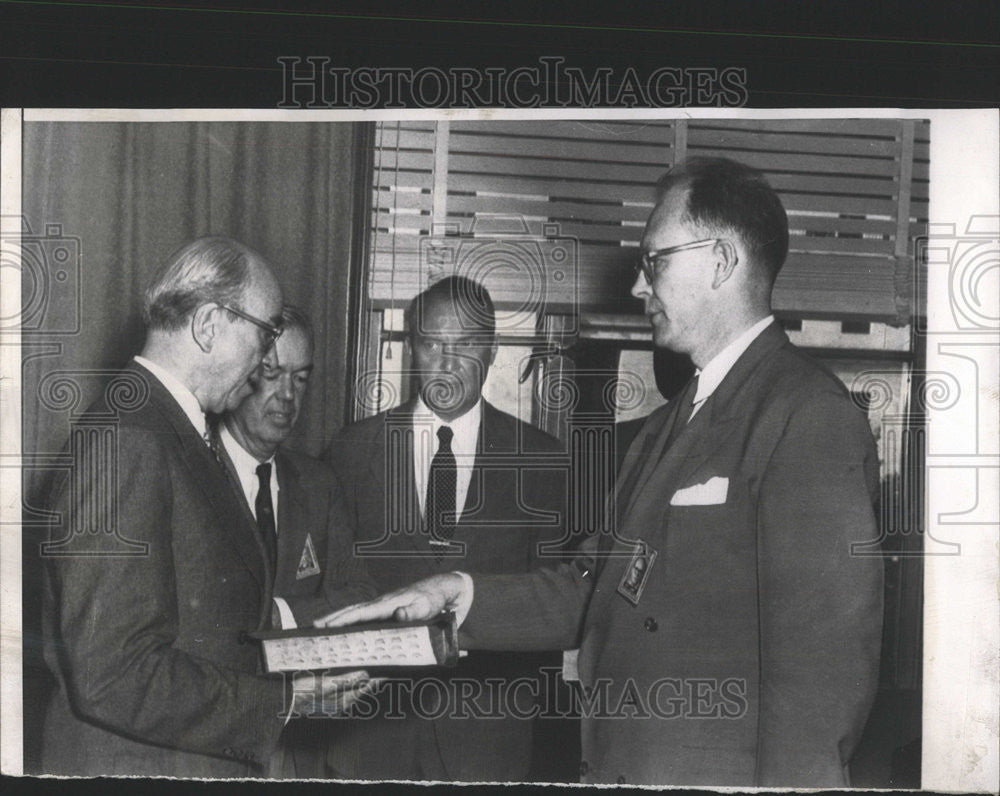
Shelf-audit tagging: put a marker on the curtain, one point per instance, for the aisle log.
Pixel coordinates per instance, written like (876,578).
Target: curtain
(106,203)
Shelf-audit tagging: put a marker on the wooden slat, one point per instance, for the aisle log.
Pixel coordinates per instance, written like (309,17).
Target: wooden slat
(609,191)
(512,204)
(402,199)
(836,224)
(783,163)
(392,160)
(855,205)
(886,128)
(732,140)
(547,169)
(406,179)
(767,162)
(809,243)
(884,186)
(609,132)
(560,150)
(402,221)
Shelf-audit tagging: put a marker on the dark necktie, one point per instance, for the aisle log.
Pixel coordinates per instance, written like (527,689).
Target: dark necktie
(442,483)
(685,407)
(264,509)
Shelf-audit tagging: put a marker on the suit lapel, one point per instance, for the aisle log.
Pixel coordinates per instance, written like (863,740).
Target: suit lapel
(707,430)
(251,521)
(210,477)
(392,467)
(292,527)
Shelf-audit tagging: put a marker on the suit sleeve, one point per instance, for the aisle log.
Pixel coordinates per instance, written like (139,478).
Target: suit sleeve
(820,606)
(547,490)
(539,610)
(118,620)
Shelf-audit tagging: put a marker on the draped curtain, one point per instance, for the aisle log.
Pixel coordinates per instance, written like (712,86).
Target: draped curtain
(106,203)
(103,205)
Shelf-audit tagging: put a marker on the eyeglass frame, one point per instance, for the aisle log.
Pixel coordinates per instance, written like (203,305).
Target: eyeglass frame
(273,331)
(646,264)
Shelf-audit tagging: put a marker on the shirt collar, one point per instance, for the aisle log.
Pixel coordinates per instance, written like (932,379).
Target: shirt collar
(711,376)
(184,397)
(464,427)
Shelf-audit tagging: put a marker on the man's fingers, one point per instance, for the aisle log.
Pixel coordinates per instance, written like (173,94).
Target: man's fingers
(352,614)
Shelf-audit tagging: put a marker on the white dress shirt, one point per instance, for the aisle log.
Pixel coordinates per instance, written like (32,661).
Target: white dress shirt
(463,445)
(246,470)
(184,397)
(711,376)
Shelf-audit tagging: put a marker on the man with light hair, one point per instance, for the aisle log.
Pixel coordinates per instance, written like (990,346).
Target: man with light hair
(728,635)
(154,675)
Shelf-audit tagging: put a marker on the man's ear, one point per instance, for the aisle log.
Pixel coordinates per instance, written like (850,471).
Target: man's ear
(726,259)
(493,350)
(205,325)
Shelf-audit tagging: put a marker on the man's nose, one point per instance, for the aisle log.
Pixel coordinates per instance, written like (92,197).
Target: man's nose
(285,389)
(640,288)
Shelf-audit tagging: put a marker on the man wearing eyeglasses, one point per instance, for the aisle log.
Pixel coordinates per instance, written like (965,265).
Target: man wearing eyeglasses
(296,502)
(446,481)
(728,636)
(147,639)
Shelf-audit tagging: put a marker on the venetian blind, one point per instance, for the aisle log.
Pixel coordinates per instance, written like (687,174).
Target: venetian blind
(856,193)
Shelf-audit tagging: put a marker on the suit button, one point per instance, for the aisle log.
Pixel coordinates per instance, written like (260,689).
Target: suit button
(620,780)
(584,768)
(650,624)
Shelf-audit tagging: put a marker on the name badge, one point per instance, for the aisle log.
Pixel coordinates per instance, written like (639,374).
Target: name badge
(308,563)
(636,574)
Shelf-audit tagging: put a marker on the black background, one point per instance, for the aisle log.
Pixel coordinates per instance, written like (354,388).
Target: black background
(220,53)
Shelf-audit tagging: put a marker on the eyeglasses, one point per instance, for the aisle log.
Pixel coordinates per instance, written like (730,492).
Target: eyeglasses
(272,332)
(646,264)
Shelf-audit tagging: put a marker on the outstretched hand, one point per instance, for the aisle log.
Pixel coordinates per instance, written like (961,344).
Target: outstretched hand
(419,601)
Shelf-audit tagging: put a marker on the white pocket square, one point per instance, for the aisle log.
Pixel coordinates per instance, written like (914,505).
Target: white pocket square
(711,493)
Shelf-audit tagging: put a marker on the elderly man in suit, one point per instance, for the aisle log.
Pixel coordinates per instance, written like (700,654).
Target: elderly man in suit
(447,479)
(147,639)
(727,634)
(296,502)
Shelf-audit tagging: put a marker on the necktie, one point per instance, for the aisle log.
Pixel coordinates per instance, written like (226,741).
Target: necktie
(264,509)
(685,407)
(442,484)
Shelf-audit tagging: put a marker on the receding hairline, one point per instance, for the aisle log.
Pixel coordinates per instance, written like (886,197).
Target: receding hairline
(470,317)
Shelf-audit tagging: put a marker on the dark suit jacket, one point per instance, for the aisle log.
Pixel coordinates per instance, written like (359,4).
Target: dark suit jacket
(510,507)
(153,673)
(317,572)
(751,657)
